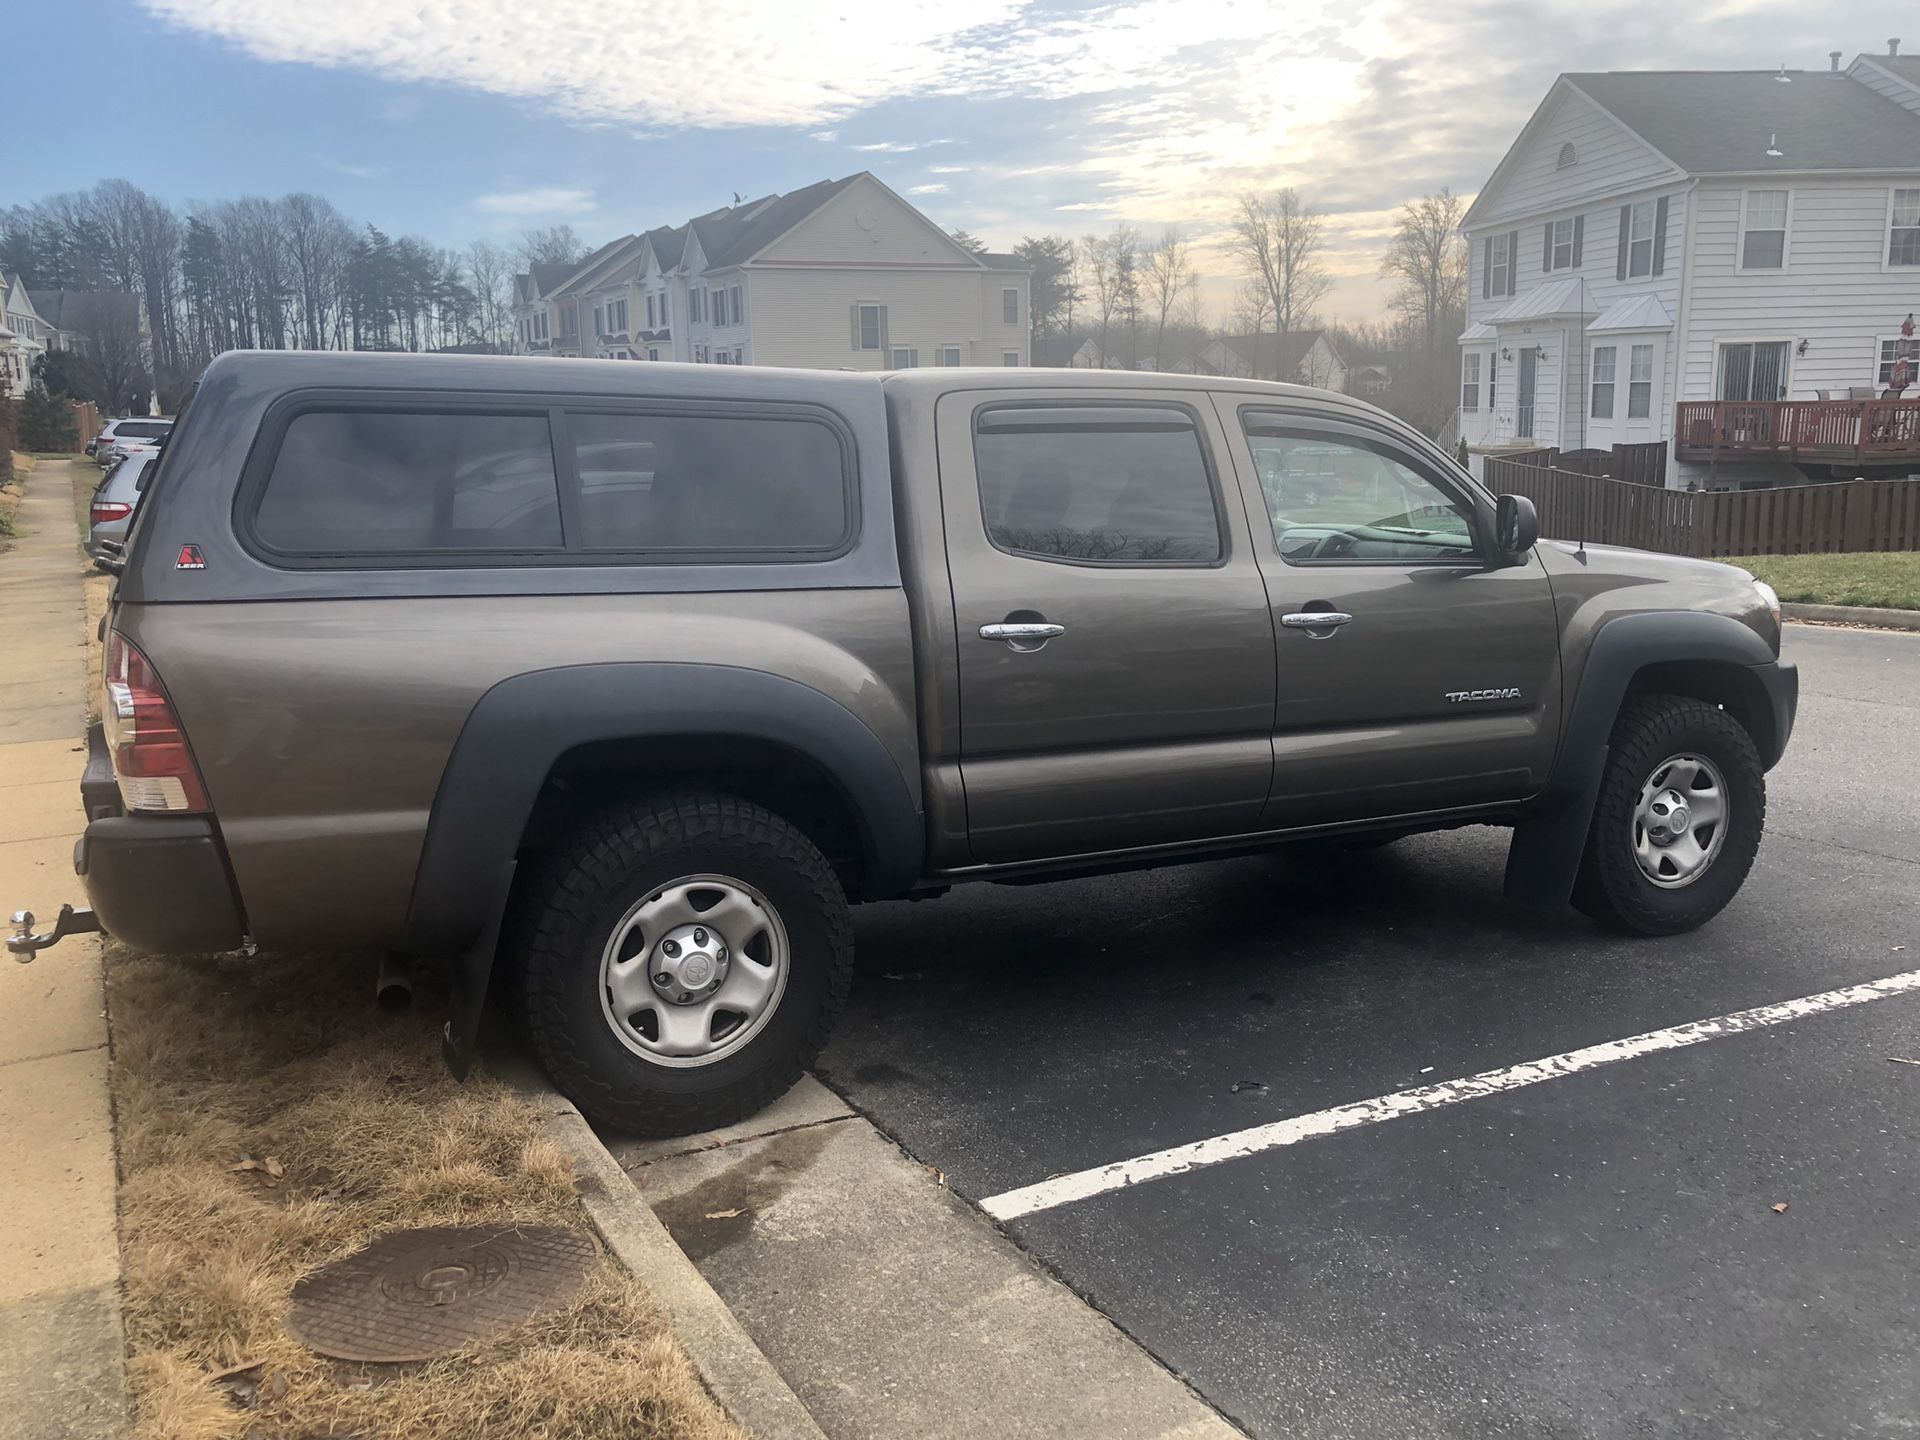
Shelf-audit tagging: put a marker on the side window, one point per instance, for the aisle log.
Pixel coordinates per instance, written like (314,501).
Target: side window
(1113,483)
(1336,500)
(373,482)
(726,483)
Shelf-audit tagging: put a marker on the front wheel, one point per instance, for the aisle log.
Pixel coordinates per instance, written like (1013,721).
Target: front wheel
(1677,823)
(680,961)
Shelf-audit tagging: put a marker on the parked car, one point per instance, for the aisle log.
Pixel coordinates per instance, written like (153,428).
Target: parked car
(610,686)
(120,437)
(111,511)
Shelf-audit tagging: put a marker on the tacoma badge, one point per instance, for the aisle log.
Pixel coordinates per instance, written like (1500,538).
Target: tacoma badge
(1506,692)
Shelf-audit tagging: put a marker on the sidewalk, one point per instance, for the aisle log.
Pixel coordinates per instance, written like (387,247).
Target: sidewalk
(60,1340)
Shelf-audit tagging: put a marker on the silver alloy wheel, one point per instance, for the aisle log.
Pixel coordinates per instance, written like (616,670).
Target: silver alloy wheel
(1680,821)
(694,970)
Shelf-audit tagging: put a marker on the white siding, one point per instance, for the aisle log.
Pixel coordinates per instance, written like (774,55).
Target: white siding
(803,316)
(1610,161)
(1834,292)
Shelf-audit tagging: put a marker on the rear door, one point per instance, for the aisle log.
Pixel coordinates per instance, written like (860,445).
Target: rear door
(1434,679)
(1139,712)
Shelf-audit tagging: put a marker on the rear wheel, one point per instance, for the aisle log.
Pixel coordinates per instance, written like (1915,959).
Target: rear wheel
(1678,820)
(679,962)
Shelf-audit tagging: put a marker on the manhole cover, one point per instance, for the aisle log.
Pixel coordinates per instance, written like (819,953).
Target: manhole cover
(415,1294)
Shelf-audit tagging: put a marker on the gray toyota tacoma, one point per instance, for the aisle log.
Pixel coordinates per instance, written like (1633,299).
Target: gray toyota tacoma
(609,686)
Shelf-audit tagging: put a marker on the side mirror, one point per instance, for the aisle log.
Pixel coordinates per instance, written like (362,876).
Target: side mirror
(1515,525)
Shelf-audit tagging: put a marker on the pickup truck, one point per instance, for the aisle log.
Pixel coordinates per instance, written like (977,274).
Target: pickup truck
(611,685)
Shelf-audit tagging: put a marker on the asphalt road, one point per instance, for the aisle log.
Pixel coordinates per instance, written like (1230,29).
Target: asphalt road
(1596,1255)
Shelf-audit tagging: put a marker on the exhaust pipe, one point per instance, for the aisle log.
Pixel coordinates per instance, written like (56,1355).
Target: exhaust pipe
(393,992)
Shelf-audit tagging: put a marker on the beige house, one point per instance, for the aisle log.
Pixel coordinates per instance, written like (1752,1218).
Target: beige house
(843,274)
(24,333)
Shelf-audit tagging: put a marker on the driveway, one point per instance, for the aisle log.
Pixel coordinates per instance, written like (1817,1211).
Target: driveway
(1594,1247)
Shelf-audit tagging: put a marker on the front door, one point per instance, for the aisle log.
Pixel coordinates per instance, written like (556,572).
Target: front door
(1523,415)
(1434,680)
(1114,642)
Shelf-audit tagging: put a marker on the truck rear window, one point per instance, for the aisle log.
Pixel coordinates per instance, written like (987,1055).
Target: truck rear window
(372,482)
(720,483)
(142,429)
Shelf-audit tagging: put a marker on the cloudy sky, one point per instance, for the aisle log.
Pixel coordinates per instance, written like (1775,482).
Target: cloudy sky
(461,118)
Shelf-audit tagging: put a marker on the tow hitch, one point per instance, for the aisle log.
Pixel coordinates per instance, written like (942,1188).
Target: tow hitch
(23,944)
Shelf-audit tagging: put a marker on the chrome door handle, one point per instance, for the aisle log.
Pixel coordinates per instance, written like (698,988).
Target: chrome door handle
(1022,634)
(1315,619)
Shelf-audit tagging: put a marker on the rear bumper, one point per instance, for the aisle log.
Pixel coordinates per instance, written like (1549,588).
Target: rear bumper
(157,882)
(1781,681)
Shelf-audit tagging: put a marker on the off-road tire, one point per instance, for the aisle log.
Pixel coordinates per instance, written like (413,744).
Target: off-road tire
(579,893)
(1611,887)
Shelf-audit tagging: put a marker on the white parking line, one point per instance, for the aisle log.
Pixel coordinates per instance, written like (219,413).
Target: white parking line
(1061,1190)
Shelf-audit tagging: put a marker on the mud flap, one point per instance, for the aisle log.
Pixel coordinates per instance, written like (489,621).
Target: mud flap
(469,984)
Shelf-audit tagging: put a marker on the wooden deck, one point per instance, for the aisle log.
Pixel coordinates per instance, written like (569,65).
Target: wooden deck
(1862,432)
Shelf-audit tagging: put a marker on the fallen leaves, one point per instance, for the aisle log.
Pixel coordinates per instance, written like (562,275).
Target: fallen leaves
(1781,1208)
(725,1214)
(269,1167)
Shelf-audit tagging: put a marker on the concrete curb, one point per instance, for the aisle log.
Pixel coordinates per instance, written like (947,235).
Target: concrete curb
(735,1369)
(1854,615)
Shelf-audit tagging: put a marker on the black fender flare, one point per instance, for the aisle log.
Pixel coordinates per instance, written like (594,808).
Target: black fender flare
(1548,844)
(521,726)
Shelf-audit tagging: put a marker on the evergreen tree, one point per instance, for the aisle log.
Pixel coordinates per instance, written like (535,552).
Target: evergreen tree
(45,423)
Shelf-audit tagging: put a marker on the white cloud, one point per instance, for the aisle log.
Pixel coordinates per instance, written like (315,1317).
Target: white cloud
(353,171)
(947,169)
(927,190)
(889,147)
(536,203)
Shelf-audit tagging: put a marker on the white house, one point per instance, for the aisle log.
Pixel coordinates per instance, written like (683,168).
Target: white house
(24,333)
(843,274)
(1657,239)
(1300,357)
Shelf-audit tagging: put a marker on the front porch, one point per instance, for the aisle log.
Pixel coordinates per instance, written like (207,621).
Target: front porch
(1819,432)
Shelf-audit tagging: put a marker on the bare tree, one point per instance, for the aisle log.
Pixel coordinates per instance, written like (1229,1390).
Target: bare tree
(1170,280)
(490,271)
(1428,257)
(1279,237)
(549,245)
(317,238)
(1096,258)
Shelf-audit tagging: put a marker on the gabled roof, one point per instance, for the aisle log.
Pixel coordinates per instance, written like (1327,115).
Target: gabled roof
(84,309)
(1907,67)
(550,276)
(1287,351)
(739,232)
(1718,122)
(581,276)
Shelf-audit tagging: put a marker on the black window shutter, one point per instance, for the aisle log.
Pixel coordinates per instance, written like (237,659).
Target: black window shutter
(1579,237)
(1513,261)
(1546,248)
(1620,261)
(1660,236)
(1486,268)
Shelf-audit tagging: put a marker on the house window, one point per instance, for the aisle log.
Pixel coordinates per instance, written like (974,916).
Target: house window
(739,354)
(1640,239)
(1903,228)
(653,352)
(1603,363)
(649,311)
(1568,156)
(1010,306)
(1470,380)
(870,322)
(903,359)
(1010,357)
(1499,263)
(950,355)
(1763,231)
(665,319)
(734,307)
(619,317)
(720,308)
(696,306)
(1639,382)
(599,320)
(1560,246)
(1892,348)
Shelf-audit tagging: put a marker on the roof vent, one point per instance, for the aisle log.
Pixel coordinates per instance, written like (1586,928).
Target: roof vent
(1783,77)
(1568,156)
(1833,61)
(1893,46)
(1773,147)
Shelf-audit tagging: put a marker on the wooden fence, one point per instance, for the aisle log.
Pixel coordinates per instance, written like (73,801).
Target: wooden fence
(1790,520)
(1635,464)
(86,422)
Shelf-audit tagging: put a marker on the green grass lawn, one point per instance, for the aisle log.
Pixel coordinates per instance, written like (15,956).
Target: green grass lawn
(1889,579)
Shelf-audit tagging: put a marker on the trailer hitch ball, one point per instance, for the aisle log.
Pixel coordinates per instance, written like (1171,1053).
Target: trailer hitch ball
(23,944)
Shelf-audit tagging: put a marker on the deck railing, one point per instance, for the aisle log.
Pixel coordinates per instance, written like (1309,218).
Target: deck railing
(1805,429)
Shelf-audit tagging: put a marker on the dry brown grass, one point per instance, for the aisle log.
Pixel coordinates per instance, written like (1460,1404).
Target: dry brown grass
(218,1060)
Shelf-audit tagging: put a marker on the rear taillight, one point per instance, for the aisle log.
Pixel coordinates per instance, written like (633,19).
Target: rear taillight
(150,755)
(102,511)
